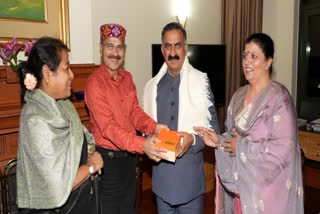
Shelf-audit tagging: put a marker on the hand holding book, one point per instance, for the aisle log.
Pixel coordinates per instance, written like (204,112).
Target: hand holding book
(169,140)
(185,143)
(154,152)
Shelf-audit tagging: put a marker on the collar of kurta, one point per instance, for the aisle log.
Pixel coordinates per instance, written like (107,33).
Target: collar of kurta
(107,74)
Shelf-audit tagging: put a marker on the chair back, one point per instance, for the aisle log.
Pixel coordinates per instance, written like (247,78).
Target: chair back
(11,183)
(3,192)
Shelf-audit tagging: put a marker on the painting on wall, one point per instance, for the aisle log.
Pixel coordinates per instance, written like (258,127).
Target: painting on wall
(55,15)
(23,10)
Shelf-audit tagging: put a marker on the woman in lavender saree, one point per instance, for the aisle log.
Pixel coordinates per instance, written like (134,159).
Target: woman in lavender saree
(258,157)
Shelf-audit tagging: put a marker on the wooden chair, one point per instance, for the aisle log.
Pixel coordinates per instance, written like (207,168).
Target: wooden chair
(11,183)
(3,194)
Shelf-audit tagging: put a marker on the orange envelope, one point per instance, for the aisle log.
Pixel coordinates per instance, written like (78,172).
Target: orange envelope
(169,141)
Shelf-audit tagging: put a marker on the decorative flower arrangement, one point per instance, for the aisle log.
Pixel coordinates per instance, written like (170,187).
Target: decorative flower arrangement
(9,52)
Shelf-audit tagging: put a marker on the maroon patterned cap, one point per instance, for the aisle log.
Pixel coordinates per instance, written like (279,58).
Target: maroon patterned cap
(112,30)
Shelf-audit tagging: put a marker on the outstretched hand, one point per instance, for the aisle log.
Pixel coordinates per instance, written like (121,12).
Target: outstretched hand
(209,136)
(152,151)
(230,144)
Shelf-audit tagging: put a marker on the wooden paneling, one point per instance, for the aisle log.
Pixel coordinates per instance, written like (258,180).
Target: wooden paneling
(81,74)
(10,107)
(8,147)
(310,144)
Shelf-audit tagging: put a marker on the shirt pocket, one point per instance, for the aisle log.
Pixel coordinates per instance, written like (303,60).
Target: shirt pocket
(129,101)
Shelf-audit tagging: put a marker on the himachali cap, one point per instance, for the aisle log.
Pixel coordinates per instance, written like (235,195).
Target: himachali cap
(112,30)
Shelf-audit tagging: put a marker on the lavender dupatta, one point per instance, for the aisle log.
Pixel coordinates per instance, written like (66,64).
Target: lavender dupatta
(266,171)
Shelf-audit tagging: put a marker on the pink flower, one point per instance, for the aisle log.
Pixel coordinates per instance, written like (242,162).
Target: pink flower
(5,55)
(9,52)
(13,46)
(28,46)
(30,81)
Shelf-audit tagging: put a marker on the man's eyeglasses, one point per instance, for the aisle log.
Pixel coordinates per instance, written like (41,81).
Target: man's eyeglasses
(112,47)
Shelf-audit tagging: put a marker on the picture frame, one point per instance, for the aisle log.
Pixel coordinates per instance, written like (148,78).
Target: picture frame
(57,25)
(28,10)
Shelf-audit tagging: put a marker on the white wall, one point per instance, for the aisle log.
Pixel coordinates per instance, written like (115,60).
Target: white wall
(144,20)
(280,21)
(80,15)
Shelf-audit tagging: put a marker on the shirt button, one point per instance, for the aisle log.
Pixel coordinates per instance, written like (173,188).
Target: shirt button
(172,103)
(172,117)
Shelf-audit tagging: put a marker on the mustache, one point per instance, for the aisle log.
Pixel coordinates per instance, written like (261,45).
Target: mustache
(117,57)
(173,57)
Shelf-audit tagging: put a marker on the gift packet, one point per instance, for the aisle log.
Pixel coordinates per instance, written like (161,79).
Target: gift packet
(169,140)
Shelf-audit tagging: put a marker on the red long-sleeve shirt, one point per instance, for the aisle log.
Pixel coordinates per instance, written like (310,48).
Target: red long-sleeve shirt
(115,114)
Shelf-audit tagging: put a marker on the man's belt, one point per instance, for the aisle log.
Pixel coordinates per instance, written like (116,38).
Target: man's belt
(113,154)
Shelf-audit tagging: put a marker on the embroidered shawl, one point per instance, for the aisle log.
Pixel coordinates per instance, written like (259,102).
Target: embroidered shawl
(266,171)
(193,106)
(50,143)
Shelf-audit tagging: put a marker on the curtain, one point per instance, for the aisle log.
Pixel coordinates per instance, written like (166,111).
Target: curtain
(240,18)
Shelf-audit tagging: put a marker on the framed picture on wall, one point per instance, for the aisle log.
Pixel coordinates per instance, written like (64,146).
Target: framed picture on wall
(45,18)
(26,10)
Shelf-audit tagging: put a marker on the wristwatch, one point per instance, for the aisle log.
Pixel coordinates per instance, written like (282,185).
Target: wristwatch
(91,170)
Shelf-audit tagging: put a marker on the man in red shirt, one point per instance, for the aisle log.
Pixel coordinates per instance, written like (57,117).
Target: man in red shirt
(115,116)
